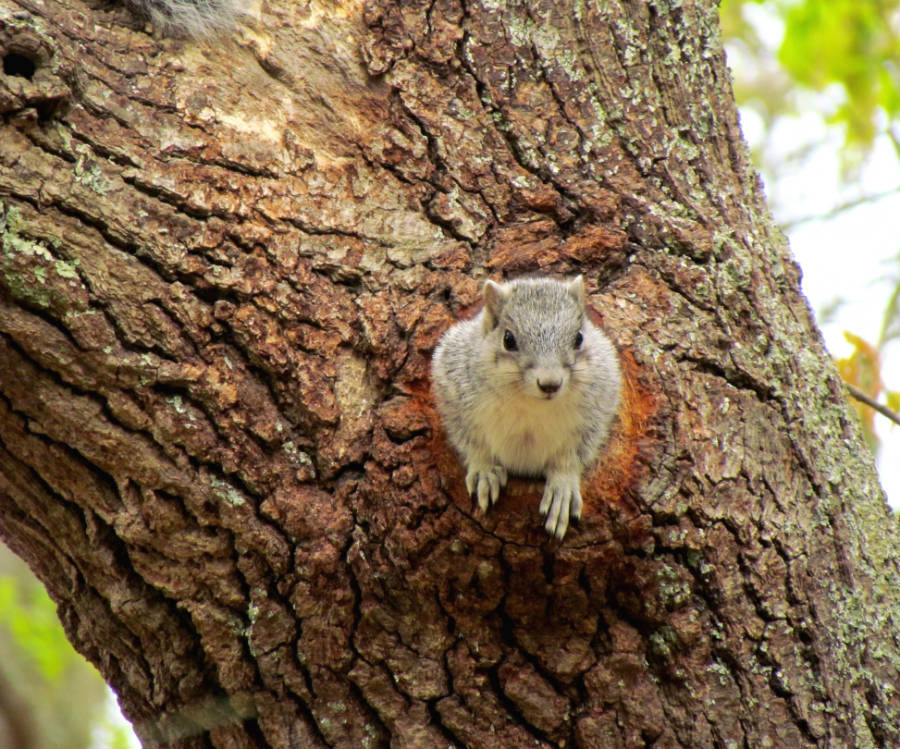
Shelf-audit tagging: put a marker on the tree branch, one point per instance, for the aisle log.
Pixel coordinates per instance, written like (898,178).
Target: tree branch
(839,209)
(872,403)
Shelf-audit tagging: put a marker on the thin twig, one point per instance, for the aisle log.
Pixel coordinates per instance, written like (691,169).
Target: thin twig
(838,209)
(891,312)
(895,140)
(872,403)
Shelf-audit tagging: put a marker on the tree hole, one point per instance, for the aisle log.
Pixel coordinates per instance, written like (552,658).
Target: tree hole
(18,65)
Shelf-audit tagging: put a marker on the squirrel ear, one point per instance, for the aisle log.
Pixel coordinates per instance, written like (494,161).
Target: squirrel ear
(495,295)
(575,287)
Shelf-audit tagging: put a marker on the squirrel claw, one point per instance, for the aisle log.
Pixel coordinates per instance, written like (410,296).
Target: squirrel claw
(484,484)
(561,501)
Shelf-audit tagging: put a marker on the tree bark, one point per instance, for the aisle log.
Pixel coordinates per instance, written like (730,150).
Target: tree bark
(224,267)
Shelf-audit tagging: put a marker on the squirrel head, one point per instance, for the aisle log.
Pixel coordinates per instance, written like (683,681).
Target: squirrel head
(536,329)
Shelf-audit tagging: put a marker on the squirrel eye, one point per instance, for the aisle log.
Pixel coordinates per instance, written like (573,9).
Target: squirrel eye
(509,342)
(579,339)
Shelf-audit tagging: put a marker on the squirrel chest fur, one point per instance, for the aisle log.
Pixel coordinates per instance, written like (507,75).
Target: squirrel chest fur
(526,433)
(528,386)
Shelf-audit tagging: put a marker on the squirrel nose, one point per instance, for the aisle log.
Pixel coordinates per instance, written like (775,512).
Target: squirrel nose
(549,386)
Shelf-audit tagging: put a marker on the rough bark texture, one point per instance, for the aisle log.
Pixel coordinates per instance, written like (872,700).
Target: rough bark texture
(224,266)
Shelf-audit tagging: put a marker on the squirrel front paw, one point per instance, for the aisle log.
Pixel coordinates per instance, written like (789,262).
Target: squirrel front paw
(484,483)
(561,500)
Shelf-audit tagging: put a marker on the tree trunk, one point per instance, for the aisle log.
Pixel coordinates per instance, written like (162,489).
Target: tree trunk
(224,267)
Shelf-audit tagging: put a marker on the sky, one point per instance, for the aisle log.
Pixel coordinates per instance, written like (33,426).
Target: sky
(853,256)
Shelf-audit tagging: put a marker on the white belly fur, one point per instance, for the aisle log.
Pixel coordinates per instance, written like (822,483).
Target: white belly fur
(525,433)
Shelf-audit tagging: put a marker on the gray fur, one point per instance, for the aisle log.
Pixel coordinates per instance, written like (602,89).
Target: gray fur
(544,409)
(191,18)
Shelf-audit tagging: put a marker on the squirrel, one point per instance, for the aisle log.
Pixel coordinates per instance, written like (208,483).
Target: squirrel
(530,387)
(191,18)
